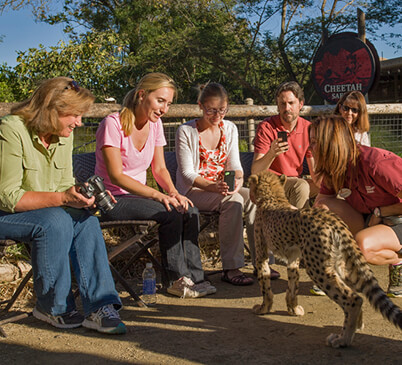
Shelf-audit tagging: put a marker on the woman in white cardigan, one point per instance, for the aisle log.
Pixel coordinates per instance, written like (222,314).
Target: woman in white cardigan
(205,149)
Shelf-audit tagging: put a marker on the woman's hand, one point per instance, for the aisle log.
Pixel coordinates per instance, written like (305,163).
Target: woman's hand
(238,184)
(173,201)
(221,187)
(73,198)
(183,201)
(374,220)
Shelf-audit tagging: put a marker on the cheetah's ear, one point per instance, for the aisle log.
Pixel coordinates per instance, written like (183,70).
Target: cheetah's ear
(283,179)
(253,179)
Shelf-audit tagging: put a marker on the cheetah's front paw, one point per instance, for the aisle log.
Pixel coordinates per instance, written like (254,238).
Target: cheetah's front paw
(296,311)
(260,309)
(336,341)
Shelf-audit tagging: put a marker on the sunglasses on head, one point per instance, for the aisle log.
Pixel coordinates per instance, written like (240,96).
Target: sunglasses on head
(73,85)
(346,108)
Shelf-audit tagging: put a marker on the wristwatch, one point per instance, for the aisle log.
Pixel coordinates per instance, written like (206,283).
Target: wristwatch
(377,212)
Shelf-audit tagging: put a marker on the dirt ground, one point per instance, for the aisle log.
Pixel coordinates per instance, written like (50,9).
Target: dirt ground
(217,329)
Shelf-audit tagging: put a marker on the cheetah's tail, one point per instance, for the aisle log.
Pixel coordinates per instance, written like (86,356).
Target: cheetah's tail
(379,300)
(367,284)
(362,278)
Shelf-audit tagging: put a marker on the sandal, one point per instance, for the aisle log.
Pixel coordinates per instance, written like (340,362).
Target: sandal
(239,280)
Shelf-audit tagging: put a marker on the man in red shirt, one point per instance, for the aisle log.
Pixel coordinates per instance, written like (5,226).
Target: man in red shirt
(286,157)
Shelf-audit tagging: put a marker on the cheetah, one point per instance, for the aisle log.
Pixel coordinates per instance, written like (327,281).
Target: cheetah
(330,254)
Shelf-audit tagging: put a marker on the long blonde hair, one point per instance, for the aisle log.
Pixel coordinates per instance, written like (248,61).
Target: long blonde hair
(149,83)
(60,95)
(335,149)
(362,123)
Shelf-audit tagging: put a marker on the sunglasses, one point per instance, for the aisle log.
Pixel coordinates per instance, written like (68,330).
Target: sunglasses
(215,111)
(346,109)
(73,85)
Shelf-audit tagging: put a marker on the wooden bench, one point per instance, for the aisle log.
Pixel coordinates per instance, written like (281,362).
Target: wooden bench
(10,302)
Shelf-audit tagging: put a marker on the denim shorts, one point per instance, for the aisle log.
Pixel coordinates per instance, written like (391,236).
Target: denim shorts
(397,228)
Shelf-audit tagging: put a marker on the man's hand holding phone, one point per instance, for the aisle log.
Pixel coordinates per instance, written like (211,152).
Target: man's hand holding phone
(281,144)
(283,136)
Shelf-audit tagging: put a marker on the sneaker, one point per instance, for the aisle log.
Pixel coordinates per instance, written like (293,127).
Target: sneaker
(105,320)
(205,286)
(72,319)
(315,290)
(184,288)
(395,281)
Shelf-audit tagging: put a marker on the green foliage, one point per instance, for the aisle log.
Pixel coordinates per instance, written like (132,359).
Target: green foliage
(91,59)
(234,42)
(243,145)
(9,86)
(18,252)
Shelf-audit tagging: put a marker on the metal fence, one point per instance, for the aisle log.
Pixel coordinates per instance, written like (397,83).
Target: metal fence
(385,121)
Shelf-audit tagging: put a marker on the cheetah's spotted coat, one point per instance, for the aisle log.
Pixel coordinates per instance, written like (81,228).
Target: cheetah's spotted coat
(331,256)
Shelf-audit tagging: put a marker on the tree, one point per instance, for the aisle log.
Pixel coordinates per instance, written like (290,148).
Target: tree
(114,42)
(9,85)
(38,7)
(92,59)
(191,40)
(304,24)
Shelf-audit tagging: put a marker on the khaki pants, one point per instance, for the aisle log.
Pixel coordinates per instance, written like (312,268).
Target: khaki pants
(297,191)
(230,208)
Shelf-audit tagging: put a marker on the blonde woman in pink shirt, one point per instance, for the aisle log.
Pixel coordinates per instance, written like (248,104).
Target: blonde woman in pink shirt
(127,143)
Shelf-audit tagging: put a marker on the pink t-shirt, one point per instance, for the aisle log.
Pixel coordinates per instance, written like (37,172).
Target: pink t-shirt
(135,163)
(289,163)
(377,182)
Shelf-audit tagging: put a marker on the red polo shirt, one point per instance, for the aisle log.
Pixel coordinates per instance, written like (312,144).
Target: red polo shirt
(377,182)
(289,163)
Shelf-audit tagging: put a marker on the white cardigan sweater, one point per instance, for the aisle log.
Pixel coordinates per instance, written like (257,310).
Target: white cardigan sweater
(188,153)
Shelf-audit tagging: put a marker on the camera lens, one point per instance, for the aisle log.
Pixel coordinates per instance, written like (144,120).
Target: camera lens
(104,202)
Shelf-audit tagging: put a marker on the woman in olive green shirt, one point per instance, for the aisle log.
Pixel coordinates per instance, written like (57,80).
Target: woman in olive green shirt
(40,204)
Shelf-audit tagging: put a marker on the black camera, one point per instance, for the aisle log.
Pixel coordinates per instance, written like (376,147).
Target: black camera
(94,187)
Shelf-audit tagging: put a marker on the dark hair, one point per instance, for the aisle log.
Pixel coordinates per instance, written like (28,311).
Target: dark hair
(212,90)
(60,95)
(292,86)
(362,123)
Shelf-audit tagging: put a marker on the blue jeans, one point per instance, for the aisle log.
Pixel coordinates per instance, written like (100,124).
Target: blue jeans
(178,233)
(60,236)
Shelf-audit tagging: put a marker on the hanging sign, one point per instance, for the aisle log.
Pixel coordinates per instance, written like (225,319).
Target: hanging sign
(344,63)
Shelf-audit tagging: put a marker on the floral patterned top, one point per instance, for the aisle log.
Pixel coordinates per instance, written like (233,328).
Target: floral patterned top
(212,162)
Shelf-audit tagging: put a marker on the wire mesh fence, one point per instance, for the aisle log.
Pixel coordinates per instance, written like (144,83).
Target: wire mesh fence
(385,131)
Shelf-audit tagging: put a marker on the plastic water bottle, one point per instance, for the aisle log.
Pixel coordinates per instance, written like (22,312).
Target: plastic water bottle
(149,285)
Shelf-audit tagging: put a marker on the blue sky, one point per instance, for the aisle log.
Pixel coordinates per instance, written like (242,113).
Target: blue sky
(20,32)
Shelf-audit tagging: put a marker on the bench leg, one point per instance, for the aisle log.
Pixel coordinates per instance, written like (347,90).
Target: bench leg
(10,302)
(126,286)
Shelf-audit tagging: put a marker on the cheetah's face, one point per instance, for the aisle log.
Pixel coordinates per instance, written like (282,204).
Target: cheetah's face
(266,187)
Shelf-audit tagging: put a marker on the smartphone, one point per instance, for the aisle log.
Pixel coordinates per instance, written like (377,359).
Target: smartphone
(283,135)
(229,178)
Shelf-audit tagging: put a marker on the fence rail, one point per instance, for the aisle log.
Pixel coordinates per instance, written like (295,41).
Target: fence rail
(249,110)
(385,121)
